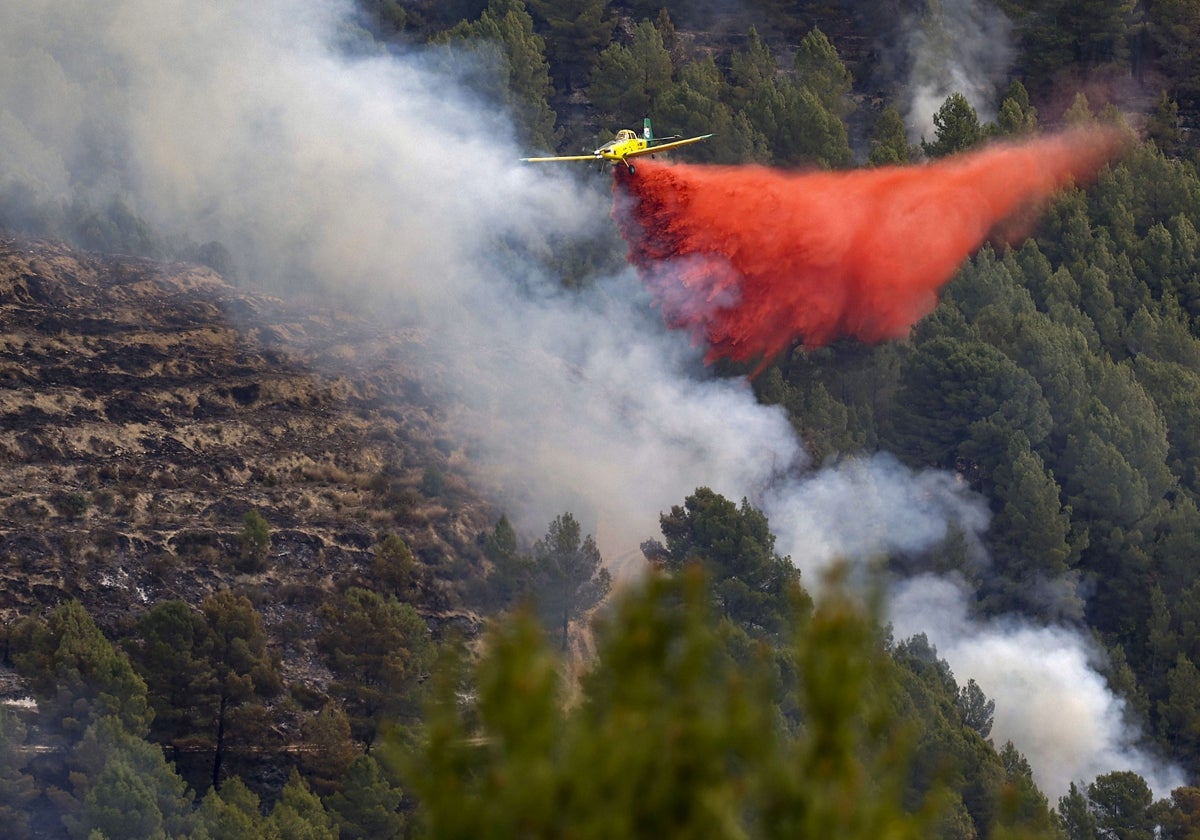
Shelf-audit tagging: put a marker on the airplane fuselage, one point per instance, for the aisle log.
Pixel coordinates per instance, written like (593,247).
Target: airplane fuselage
(622,145)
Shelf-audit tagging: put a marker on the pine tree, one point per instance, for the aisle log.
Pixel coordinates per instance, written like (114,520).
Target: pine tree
(1121,803)
(394,567)
(1075,817)
(889,140)
(123,787)
(568,576)
(819,68)
(256,542)
(1017,117)
(673,735)
(17,787)
(753,586)
(380,652)
(575,31)
(521,81)
(299,814)
(1180,711)
(77,676)
(169,652)
(245,671)
(956,128)
(368,805)
(232,813)
(329,748)
(629,81)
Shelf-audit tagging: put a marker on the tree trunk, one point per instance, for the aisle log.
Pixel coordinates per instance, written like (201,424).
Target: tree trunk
(219,754)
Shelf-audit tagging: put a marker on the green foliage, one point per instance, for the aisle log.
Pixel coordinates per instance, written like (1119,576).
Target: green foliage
(798,127)
(380,653)
(984,793)
(516,74)
(244,670)
(299,814)
(511,574)
(123,787)
(567,576)
(1180,711)
(889,140)
(1176,28)
(1163,126)
(1017,117)
(956,128)
(629,81)
(368,805)
(394,567)
(329,748)
(1031,533)
(976,709)
(77,676)
(1179,818)
(256,542)
(169,650)
(819,68)
(207,672)
(1121,803)
(753,586)
(672,735)
(433,482)
(696,104)
(389,15)
(575,32)
(1075,817)
(1061,37)
(1023,808)
(232,813)
(17,787)
(953,389)
(75,505)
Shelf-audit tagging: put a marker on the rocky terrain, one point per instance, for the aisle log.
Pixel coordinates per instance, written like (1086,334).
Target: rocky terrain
(145,408)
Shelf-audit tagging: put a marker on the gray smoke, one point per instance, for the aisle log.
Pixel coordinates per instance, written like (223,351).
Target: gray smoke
(375,176)
(957,46)
(870,507)
(1051,700)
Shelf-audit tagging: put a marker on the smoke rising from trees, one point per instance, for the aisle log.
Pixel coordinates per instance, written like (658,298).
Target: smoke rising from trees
(957,46)
(1051,699)
(372,176)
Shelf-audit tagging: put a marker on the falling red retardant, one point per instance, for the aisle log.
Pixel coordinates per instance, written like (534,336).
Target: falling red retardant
(751,259)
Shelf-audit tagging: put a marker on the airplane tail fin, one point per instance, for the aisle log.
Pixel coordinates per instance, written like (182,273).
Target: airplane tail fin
(647,132)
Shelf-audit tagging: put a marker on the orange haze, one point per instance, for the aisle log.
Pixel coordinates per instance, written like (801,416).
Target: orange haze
(751,259)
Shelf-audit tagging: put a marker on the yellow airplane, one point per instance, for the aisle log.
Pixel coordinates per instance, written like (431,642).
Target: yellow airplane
(626,145)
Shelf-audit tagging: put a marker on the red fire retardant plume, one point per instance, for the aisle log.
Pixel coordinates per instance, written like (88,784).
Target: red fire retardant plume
(751,259)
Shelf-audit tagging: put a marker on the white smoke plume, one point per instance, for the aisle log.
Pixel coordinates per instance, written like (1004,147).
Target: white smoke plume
(1051,700)
(374,174)
(893,510)
(957,46)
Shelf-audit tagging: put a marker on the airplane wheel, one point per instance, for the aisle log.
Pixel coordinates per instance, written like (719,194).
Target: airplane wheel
(631,169)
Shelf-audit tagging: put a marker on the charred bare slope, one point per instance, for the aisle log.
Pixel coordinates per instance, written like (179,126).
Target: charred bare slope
(145,408)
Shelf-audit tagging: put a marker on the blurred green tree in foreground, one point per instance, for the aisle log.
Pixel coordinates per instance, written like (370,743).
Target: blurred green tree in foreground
(675,732)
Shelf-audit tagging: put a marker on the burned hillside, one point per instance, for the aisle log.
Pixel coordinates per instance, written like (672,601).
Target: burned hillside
(146,408)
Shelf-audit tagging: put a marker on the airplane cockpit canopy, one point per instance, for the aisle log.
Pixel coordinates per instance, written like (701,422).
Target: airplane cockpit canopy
(625,134)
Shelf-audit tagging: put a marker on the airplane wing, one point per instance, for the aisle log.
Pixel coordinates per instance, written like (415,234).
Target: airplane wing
(560,157)
(662,147)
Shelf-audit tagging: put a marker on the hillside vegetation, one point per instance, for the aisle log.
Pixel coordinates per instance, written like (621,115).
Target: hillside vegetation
(245,580)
